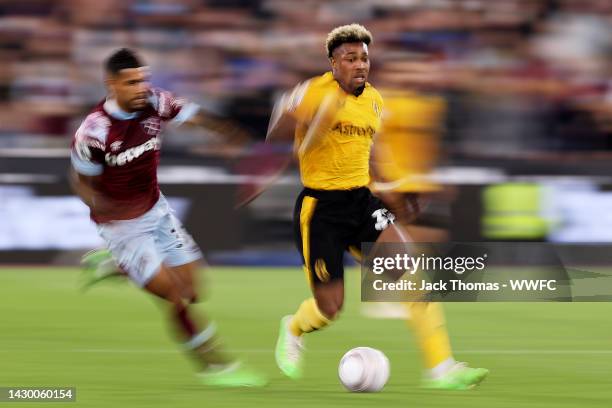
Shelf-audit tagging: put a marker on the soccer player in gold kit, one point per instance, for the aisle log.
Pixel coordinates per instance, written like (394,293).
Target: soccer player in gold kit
(333,119)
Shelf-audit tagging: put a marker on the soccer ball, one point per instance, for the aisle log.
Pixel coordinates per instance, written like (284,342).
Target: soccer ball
(364,369)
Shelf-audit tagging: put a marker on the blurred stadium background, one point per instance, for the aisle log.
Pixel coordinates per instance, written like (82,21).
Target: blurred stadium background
(523,124)
(524,88)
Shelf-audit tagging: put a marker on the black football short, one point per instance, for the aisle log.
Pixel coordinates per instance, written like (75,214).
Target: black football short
(329,222)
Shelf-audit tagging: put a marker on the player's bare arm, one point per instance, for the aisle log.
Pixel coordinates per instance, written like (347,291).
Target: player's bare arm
(270,159)
(83,187)
(226,129)
(88,190)
(282,123)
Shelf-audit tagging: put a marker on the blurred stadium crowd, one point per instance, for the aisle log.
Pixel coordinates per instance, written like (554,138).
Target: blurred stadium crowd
(518,92)
(517,76)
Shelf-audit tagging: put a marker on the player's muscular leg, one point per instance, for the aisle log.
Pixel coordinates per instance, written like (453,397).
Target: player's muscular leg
(330,297)
(186,278)
(427,319)
(203,344)
(164,285)
(393,233)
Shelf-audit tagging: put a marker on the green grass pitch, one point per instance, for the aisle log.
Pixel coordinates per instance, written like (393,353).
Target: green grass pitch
(113,346)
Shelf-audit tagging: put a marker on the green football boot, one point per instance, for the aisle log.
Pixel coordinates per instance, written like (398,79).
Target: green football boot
(289,351)
(98,265)
(232,375)
(459,377)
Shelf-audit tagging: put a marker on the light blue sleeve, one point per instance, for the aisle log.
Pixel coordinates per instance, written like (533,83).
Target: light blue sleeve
(85,167)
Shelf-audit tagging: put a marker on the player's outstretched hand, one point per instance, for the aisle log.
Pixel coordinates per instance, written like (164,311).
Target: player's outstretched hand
(405,206)
(261,167)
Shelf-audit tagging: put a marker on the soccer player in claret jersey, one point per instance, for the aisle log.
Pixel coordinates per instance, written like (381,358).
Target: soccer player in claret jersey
(115,153)
(332,119)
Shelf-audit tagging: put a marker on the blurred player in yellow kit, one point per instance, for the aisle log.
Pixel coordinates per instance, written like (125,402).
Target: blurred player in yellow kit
(333,120)
(404,154)
(407,146)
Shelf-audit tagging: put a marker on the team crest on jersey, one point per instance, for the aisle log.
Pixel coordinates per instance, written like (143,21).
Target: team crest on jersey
(151,126)
(116,145)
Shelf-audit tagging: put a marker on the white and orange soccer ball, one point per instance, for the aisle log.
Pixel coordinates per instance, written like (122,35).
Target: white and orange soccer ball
(364,369)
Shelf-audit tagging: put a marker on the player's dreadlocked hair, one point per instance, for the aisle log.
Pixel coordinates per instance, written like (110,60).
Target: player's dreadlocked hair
(346,34)
(123,58)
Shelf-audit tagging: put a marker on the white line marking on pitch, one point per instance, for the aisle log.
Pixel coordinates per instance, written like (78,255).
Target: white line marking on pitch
(325,351)
(316,351)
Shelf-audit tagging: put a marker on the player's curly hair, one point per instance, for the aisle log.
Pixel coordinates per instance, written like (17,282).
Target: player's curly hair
(346,34)
(123,58)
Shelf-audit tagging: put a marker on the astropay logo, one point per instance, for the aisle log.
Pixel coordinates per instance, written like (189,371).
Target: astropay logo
(132,153)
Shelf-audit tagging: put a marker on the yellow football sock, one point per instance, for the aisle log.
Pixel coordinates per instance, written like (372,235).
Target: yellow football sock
(308,318)
(427,321)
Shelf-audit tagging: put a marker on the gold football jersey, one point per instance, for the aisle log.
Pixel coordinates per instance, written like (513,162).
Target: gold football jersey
(334,133)
(407,146)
